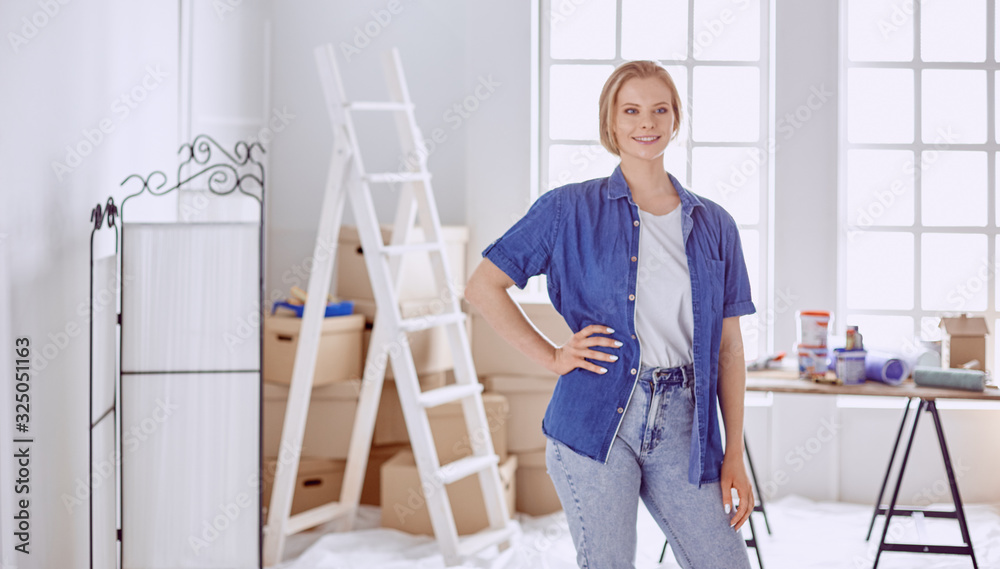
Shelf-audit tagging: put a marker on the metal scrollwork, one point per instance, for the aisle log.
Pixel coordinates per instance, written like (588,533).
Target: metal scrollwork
(240,170)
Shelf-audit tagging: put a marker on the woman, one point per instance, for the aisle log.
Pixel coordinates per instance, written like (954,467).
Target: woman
(652,280)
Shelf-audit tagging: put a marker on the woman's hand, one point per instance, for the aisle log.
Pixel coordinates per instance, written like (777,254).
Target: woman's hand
(734,475)
(575,353)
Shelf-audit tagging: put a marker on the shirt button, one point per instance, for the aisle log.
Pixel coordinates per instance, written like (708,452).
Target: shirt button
(633,371)
(620,410)
(634,259)
(631,297)
(636,223)
(633,336)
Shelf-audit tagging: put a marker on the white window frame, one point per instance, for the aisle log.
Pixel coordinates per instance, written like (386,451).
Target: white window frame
(540,143)
(918,147)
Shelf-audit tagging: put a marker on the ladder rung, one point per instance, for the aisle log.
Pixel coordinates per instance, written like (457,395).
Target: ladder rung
(459,469)
(378,106)
(447,394)
(412,247)
(394,177)
(472,544)
(419,323)
(316,516)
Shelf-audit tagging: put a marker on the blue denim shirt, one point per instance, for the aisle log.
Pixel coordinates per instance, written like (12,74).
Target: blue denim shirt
(585,238)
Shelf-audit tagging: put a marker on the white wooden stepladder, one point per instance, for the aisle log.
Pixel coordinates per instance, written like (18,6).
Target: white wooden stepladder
(347,179)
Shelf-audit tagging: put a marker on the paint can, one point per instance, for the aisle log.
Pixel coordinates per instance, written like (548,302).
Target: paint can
(812,362)
(813,328)
(850,366)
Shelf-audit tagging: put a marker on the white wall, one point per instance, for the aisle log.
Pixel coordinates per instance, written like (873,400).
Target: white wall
(58,88)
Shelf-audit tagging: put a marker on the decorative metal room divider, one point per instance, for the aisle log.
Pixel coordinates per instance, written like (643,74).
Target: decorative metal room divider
(175,387)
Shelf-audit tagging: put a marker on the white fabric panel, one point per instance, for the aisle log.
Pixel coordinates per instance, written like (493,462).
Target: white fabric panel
(190,447)
(190,297)
(104,354)
(105,540)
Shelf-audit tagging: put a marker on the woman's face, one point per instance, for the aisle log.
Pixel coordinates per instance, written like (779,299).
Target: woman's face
(644,119)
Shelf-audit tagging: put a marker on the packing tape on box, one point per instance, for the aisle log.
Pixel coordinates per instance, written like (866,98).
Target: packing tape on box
(967,379)
(886,367)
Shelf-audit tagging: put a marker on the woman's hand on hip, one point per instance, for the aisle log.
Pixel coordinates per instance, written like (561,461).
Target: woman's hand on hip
(734,476)
(577,351)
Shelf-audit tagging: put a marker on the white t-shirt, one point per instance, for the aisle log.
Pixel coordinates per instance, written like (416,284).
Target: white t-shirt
(664,321)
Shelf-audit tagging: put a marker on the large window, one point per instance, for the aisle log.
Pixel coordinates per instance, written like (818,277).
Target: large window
(718,52)
(918,166)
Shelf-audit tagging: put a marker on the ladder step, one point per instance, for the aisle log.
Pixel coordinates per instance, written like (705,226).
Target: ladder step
(459,469)
(378,106)
(394,177)
(412,247)
(448,394)
(316,516)
(472,544)
(419,323)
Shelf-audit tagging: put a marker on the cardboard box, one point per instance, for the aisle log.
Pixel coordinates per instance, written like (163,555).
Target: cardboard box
(317,483)
(415,273)
(340,349)
(329,422)
(964,340)
(494,356)
(405,508)
(390,427)
(430,348)
(378,455)
(528,398)
(536,494)
(452,436)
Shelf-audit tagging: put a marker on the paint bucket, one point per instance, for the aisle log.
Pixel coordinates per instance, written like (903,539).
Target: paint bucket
(850,366)
(813,328)
(812,362)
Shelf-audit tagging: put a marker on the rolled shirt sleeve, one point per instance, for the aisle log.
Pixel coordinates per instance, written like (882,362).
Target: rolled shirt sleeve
(736,296)
(526,248)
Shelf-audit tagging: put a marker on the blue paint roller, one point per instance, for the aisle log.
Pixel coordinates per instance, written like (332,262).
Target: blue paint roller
(886,367)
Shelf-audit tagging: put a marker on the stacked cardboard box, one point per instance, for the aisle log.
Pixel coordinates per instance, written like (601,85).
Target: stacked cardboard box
(332,404)
(338,358)
(528,388)
(317,483)
(404,506)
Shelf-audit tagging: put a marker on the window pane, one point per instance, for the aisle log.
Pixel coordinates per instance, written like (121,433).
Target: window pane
(953,30)
(953,106)
(731,177)
(879,30)
(954,272)
(573,94)
(880,105)
(930,328)
(727,30)
(753,326)
(654,29)
(892,333)
(577,163)
(675,161)
(879,187)
(679,74)
(879,270)
(726,105)
(954,188)
(583,30)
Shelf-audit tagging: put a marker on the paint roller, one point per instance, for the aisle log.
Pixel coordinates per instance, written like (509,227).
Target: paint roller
(950,378)
(886,367)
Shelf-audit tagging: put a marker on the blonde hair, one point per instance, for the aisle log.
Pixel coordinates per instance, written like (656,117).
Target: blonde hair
(609,96)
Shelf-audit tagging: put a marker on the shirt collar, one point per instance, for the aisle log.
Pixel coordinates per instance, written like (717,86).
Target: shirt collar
(618,188)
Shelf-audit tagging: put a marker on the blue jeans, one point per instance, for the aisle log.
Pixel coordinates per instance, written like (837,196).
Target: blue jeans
(648,459)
